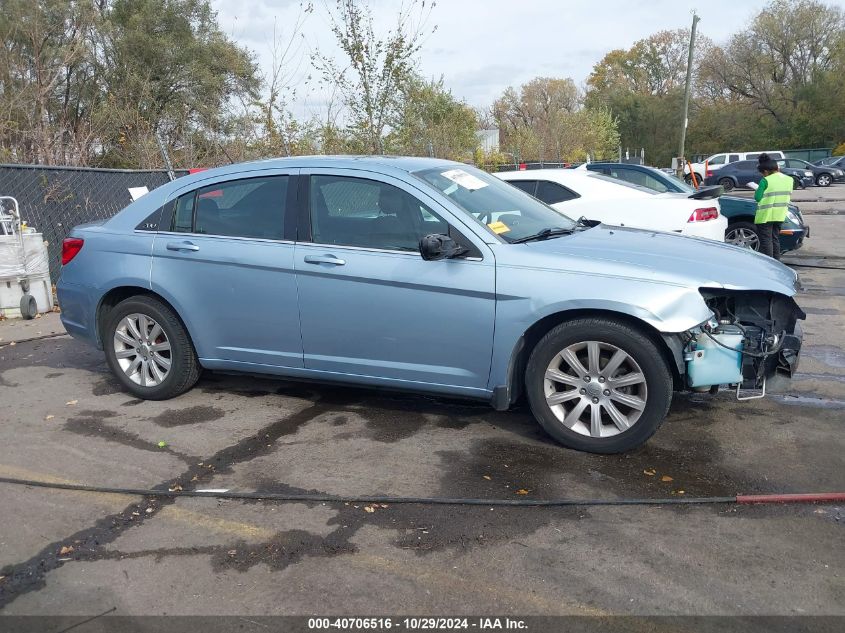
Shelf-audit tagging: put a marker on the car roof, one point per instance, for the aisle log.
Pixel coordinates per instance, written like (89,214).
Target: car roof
(644,168)
(400,163)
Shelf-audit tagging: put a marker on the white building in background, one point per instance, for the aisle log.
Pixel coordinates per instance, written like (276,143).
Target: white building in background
(488,140)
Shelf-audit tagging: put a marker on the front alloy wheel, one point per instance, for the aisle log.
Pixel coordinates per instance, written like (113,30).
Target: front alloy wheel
(824,180)
(743,235)
(598,385)
(595,389)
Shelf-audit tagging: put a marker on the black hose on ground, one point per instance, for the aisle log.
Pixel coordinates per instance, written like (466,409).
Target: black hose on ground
(326,498)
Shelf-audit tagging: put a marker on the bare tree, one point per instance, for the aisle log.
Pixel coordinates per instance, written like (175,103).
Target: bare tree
(376,65)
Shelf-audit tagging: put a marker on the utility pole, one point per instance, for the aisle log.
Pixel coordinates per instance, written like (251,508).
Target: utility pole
(165,156)
(695,20)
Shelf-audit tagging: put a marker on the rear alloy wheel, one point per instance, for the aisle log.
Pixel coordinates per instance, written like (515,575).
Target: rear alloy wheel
(148,349)
(598,385)
(727,184)
(824,180)
(744,235)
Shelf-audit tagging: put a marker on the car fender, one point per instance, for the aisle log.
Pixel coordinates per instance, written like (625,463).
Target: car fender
(663,308)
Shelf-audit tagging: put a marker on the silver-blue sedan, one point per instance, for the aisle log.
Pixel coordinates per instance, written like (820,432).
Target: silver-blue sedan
(424,275)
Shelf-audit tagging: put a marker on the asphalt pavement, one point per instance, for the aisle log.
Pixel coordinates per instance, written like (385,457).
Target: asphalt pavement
(63,418)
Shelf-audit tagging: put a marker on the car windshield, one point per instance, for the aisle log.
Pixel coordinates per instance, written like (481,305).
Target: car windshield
(502,209)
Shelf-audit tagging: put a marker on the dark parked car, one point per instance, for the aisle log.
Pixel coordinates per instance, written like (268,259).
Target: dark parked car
(740,212)
(831,161)
(743,172)
(823,174)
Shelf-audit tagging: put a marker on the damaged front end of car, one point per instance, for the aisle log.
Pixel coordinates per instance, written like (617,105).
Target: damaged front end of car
(751,343)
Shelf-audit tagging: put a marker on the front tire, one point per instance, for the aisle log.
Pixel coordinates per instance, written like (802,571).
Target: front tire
(598,385)
(744,235)
(824,180)
(149,350)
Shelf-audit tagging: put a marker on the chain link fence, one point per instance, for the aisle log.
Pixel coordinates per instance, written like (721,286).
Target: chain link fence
(55,199)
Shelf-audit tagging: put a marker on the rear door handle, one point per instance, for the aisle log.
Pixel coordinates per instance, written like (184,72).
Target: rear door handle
(324,259)
(182,246)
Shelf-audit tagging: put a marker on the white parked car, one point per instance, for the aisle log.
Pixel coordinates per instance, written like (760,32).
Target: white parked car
(581,193)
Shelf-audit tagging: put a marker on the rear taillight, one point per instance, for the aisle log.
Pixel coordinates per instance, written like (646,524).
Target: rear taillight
(703,215)
(70,247)
(708,173)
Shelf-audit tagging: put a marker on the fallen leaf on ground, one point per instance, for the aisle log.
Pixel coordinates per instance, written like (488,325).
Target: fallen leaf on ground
(66,549)
(12,343)
(50,417)
(162,444)
(522,491)
(487,477)
(148,510)
(70,403)
(176,488)
(383,505)
(232,552)
(650,472)
(369,509)
(666,478)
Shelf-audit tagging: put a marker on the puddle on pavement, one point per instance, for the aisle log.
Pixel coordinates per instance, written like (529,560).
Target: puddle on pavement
(91,424)
(827,354)
(810,401)
(189,415)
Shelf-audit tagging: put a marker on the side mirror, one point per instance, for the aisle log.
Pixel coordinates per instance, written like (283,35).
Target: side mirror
(437,246)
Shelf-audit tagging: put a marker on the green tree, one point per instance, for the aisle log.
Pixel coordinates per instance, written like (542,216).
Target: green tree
(545,120)
(787,68)
(643,88)
(171,66)
(432,120)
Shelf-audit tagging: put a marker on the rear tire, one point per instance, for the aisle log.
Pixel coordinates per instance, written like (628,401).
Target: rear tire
(596,415)
(727,184)
(148,349)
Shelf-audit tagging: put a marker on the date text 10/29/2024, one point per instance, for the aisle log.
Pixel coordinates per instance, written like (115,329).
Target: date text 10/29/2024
(415,624)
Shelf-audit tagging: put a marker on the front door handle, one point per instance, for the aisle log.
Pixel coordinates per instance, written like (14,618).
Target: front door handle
(324,259)
(182,246)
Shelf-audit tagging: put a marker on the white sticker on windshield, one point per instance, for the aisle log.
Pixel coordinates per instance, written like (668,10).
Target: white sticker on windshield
(464,179)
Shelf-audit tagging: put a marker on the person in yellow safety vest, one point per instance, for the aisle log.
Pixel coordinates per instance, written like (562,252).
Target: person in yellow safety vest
(773,196)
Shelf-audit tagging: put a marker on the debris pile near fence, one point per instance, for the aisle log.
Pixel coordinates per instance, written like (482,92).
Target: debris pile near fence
(55,199)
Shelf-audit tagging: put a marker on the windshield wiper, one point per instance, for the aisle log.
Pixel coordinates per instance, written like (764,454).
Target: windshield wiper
(543,235)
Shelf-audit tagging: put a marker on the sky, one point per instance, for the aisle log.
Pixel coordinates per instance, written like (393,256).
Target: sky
(481,47)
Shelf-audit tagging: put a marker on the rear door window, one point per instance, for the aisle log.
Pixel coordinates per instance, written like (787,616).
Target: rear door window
(552,192)
(641,178)
(732,158)
(250,207)
(183,218)
(528,186)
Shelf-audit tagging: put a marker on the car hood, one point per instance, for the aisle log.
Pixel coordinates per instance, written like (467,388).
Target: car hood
(657,257)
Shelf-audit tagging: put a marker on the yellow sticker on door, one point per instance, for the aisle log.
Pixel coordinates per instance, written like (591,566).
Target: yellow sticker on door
(499,227)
